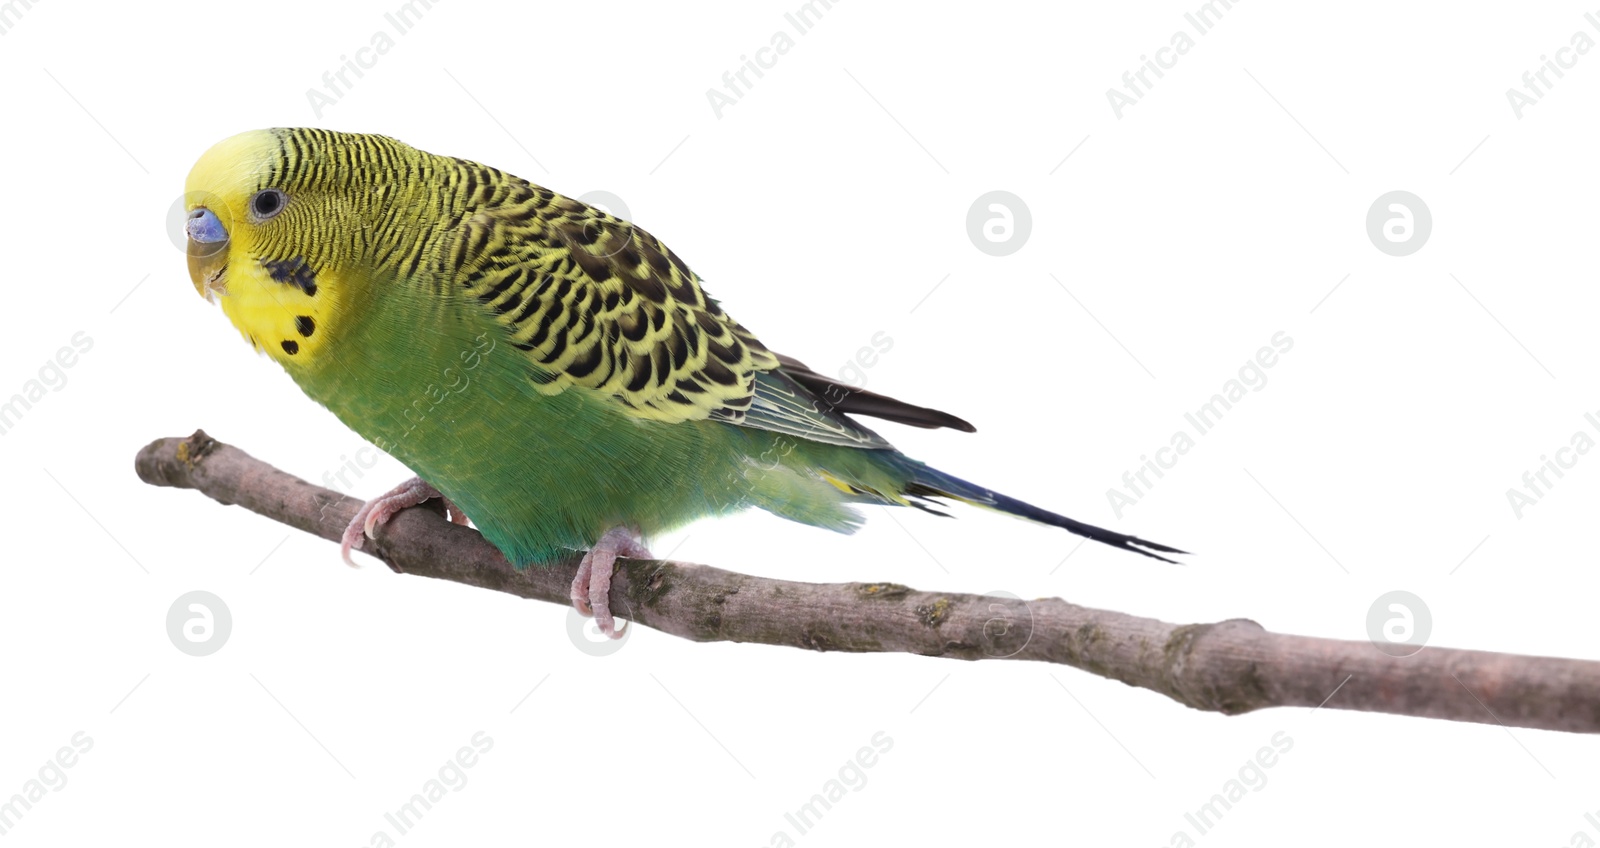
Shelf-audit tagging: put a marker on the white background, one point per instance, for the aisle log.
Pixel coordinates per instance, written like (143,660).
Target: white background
(822,208)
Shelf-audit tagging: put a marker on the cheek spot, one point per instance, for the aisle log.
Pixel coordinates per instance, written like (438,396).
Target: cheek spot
(305,325)
(291,347)
(293,272)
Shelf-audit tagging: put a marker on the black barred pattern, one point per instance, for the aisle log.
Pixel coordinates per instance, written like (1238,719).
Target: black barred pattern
(599,303)
(591,300)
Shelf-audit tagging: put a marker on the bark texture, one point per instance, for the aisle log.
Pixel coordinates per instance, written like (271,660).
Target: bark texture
(1229,667)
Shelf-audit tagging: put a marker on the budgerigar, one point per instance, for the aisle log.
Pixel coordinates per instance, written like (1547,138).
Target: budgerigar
(555,373)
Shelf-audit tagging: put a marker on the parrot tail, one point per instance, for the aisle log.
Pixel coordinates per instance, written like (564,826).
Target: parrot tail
(926,483)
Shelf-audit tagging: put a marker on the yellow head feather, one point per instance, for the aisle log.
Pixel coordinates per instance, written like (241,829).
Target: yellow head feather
(267,258)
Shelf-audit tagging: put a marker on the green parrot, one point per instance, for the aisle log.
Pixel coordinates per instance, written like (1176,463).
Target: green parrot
(550,370)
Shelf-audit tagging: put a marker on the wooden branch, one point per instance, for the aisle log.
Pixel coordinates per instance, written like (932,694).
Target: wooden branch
(1230,667)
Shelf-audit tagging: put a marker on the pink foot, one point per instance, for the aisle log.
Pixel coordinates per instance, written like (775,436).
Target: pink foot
(591,588)
(383,507)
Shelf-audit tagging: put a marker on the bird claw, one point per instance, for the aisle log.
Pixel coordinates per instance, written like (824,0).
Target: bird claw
(591,586)
(351,541)
(380,509)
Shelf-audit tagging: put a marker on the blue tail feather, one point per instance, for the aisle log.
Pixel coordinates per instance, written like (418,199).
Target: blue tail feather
(928,482)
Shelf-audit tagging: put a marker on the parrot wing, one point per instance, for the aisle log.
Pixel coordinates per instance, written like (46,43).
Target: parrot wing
(598,303)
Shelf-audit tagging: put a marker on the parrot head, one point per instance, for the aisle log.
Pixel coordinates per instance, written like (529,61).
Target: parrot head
(278,223)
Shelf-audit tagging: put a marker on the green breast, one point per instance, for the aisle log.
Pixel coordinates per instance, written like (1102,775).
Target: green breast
(428,379)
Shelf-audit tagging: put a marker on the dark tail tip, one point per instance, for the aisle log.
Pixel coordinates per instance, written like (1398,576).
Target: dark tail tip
(1138,545)
(1089,531)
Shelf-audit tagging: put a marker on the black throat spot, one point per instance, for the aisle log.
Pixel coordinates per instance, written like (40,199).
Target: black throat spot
(293,272)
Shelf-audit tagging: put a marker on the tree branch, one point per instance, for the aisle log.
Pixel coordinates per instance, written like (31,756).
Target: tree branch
(1230,667)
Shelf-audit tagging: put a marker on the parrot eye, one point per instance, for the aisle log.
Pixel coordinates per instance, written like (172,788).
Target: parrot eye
(267,203)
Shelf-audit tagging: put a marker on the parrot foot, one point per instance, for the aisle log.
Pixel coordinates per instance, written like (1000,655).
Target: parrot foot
(591,588)
(383,507)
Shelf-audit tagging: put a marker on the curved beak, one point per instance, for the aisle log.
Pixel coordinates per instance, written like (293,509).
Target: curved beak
(208,251)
